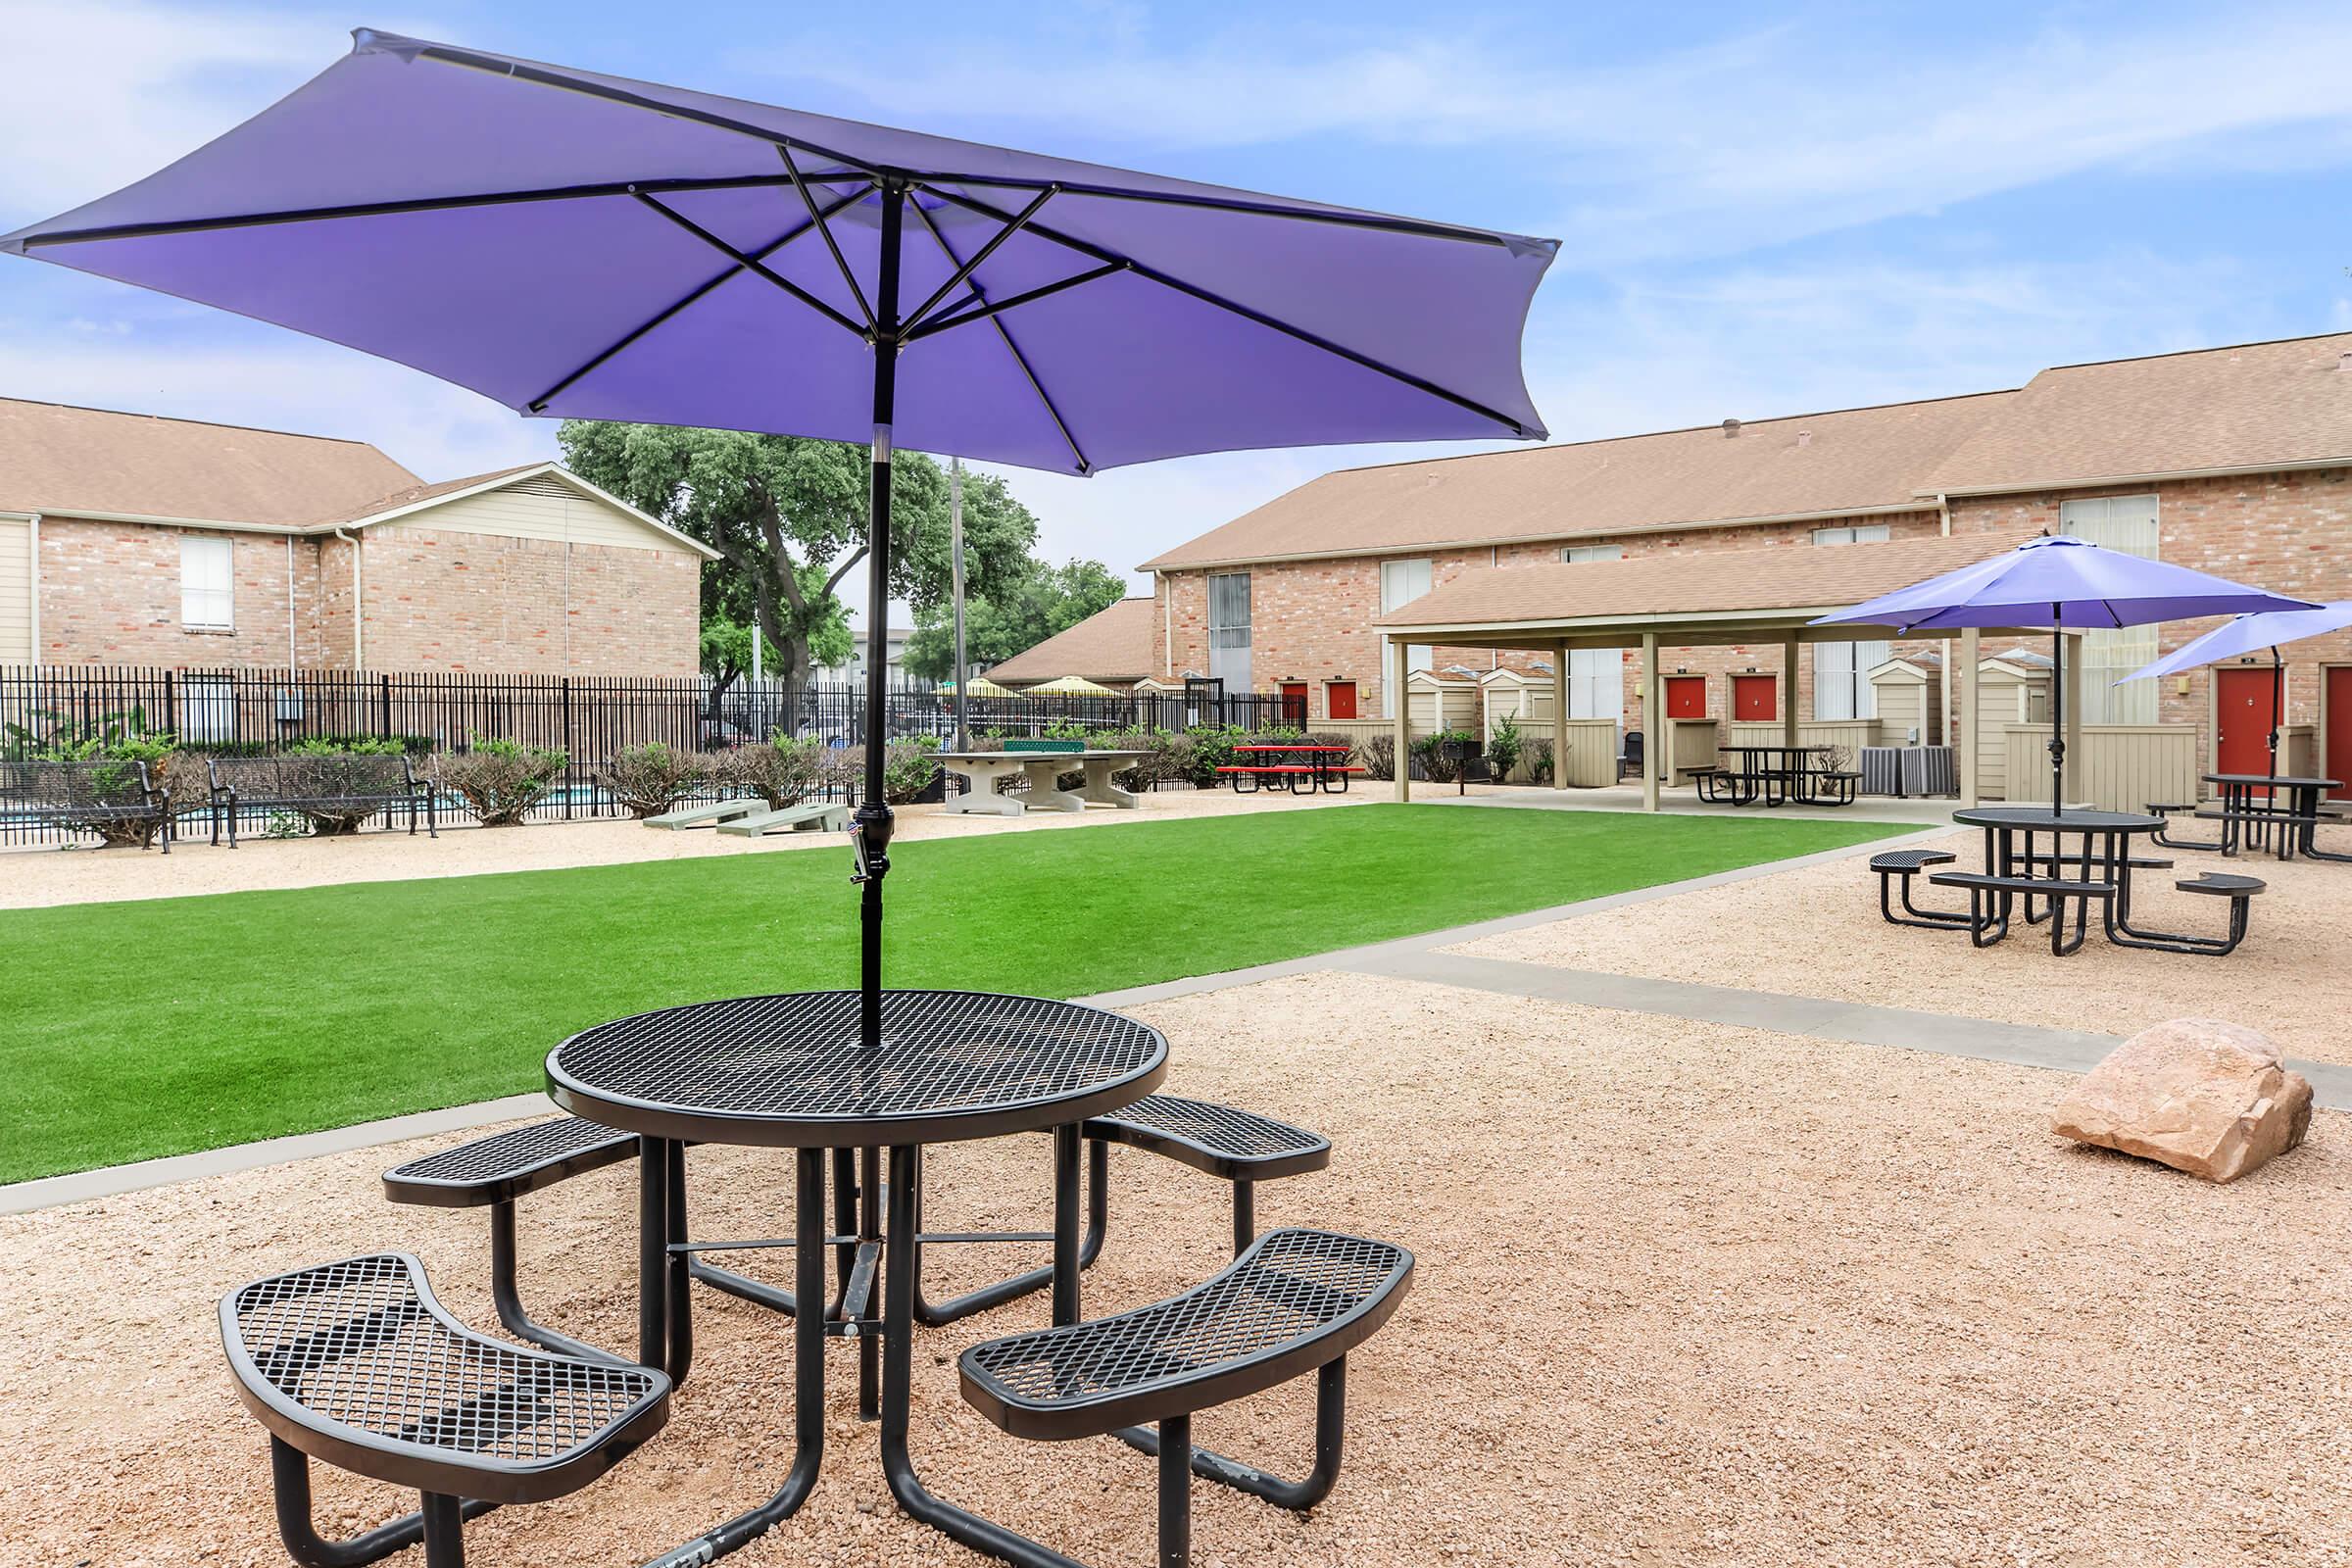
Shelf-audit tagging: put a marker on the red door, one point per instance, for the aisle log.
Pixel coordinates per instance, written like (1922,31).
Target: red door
(1294,704)
(2339,729)
(1339,698)
(2242,720)
(1686,697)
(1755,697)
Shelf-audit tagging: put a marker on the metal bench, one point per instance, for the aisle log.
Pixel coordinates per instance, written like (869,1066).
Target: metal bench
(348,784)
(2238,890)
(1239,1145)
(1295,1301)
(356,1363)
(89,795)
(1900,866)
(494,1171)
(1989,904)
(1830,787)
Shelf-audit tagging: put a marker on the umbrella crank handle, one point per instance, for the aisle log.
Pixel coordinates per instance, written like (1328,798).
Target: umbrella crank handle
(869,865)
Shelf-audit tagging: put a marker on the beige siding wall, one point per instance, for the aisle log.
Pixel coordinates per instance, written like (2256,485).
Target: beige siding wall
(544,509)
(16,591)
(2121,768)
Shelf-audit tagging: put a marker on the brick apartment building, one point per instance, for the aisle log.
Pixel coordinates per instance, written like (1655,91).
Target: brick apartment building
(127,539)
(2236,461)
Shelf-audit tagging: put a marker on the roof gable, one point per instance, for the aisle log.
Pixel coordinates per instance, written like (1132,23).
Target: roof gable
(404,505)
(2257,405)
(55,458)
(1111,643)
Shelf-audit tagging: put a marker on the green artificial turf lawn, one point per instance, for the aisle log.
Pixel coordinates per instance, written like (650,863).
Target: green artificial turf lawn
(147,1028)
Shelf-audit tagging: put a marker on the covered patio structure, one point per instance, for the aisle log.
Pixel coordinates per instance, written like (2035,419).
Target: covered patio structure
(1682,598)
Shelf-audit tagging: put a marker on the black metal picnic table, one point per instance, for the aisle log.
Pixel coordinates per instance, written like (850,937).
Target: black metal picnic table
(2011,850)
(1772,775)
(2297,820)
(789,1071)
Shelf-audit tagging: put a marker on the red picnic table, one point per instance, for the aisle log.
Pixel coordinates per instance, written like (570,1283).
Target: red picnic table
(1321,765)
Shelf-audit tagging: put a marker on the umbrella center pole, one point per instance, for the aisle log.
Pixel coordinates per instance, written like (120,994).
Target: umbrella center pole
(873,819)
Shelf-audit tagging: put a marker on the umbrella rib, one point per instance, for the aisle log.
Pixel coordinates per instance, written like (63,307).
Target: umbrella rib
(518,71)
(825,230)
(1020,222)
(538,405)
(1077,452)
(1246,313)
(421,204)
(758,268)
(977,308)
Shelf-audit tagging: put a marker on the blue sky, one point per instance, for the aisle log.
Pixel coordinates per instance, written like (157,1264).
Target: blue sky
(1761,212)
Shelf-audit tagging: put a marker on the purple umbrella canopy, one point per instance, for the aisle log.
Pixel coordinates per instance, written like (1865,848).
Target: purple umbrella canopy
(580,245)
(2060,582)
(2247,634)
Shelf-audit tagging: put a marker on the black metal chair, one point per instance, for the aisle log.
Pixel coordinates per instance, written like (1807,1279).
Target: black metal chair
(1629,761)
(1895,867)
(1295,1301)
(1239,1145)
(2238,890)
(1989,901)
(356,1364)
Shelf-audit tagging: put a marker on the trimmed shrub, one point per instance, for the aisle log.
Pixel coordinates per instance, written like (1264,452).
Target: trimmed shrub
(1430,753)
(499,779)
(1539,760)
(166,766)
(328,767)
(1378,753)
(649,779)
(783,770)
(1170,759)
(1504,747)
(908,768)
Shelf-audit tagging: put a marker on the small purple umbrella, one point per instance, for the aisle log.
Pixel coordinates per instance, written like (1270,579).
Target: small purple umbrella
(580,245)
(2246,634)
(2060,582)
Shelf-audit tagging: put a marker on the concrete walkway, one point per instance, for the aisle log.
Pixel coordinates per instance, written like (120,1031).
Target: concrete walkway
(1414,958)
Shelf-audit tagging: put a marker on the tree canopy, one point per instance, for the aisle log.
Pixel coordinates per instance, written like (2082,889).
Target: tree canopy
(788,516)
(1012,616)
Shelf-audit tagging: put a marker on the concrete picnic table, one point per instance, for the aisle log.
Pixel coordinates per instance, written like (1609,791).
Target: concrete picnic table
(980,771)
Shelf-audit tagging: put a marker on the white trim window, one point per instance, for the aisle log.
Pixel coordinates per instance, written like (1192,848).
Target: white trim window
(2125,524)
(207,575)
(1595,675)
(1229,629)
(1869,533)
(207,708)
(1400,583)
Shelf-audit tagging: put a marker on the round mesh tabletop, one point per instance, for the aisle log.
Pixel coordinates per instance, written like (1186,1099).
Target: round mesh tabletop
(2041,819)
(790,1071)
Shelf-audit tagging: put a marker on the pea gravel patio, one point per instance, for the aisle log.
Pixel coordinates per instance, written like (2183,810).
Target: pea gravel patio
(1692,1294)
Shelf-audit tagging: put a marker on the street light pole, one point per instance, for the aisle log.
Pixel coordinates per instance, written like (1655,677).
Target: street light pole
(963,739)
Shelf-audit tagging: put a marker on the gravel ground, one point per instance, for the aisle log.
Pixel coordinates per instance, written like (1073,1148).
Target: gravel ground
(48,874)
(1816,932)
(1688,1295)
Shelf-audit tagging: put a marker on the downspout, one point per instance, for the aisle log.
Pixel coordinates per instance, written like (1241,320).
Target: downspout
(1951,727)
(292,662)
(358,622)
(34,542)
(1167,624)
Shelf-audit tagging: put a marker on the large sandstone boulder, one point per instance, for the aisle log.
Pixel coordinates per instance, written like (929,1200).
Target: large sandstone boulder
(2201,1095)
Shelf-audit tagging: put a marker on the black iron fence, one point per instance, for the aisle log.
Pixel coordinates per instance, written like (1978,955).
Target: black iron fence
(589,717)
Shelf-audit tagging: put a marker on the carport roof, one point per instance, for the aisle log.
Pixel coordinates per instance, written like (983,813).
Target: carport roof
(1700,596)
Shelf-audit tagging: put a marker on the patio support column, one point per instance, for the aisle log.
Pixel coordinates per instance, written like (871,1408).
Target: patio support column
(1972,712)
(1399,671)
(1559,717)
(1788,652)
(2074,709)
(1653,727)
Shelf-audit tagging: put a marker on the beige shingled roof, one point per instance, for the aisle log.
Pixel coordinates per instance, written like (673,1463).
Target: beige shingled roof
(1816,464)
(1716,583)
(59,459)
(1114,644)
(2258,406)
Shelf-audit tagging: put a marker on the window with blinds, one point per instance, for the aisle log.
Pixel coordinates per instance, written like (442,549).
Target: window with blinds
(1400,583)
(2126,523)
(1842,686)
(207,569)
(1229,629)
(1595,675)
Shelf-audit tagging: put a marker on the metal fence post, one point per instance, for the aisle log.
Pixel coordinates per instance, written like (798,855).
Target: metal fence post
(383,724)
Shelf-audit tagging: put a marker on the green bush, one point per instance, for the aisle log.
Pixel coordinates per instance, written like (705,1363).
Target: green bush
(348,766)
(1538,761)
(783,770)
(1430,752)
(1211,747)
(1169,757)
(119,784)
(1504,747)
(500,779)
(649,779)
(908,768)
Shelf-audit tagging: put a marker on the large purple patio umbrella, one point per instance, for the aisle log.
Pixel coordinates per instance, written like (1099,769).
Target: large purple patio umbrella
(2060,582)
(2247,634)
(578,245)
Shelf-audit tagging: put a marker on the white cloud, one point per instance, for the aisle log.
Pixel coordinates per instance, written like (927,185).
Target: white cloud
(1763,137)
(165,78)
